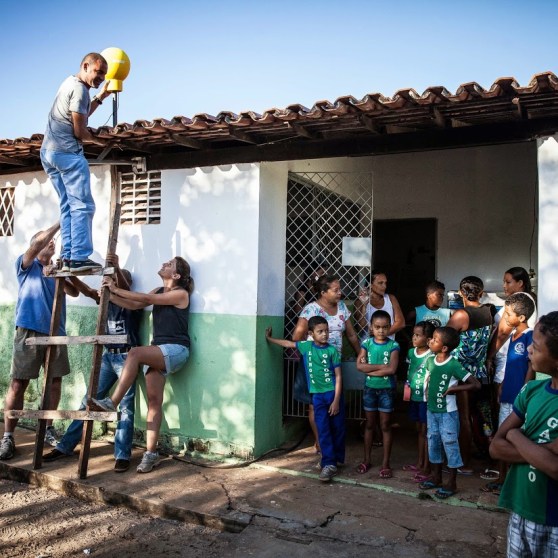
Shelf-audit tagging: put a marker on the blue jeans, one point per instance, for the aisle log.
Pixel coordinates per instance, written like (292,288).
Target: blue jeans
(111,368)
(443,435)
(331,429)
(70,176)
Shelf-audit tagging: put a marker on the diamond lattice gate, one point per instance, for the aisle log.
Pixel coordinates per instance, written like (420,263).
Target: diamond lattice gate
(323,209)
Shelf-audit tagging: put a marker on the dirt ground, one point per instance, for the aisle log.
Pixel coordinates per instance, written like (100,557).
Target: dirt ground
(274,508)
(39,523)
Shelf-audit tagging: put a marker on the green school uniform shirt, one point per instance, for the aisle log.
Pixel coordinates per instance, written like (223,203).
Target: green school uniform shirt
(527,491)
(379,354)
(417,373)
(439,377)
(319,364)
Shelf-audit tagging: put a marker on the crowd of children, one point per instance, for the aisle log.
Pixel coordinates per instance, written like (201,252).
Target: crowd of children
(447,369)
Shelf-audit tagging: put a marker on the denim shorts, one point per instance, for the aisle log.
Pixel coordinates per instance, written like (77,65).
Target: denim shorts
(443,436)
(417,411)
(175,357)
(378,400)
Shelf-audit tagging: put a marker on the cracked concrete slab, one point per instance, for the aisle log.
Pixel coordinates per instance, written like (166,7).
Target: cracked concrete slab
(280,504)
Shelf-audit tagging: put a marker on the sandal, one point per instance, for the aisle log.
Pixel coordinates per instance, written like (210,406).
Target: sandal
(490,475)
(364,468)
(386,473)
(410,468)
(420,477)
(444,493)
(428,485)
(492,488)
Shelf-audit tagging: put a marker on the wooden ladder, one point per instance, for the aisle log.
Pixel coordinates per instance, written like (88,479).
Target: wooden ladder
(98,340)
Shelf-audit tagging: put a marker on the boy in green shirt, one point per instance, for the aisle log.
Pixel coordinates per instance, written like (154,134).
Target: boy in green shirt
(443,372)
(323,374)
(528,439)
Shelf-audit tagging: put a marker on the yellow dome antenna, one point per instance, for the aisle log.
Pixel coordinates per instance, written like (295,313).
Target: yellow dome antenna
(118,70)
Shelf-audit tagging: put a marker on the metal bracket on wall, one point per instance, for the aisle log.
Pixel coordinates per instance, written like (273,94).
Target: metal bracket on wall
(138,164)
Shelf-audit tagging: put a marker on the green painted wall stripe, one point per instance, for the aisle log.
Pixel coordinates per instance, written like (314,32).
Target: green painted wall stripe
(227,399)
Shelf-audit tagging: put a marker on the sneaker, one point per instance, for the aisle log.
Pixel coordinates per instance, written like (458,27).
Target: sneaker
(148,461)
(53,455)
(65,266)
(7,447)
(78,266)
(328,472)
(51,437)
(105,404)
(121,465)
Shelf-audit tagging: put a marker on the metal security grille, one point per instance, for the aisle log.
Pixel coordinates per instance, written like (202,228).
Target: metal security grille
(7,211)
(323,208)
(140,196)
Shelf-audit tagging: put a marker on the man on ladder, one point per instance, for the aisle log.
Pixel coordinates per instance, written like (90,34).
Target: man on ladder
(33,316)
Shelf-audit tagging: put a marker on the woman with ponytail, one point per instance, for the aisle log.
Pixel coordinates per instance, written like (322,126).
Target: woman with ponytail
(167,353)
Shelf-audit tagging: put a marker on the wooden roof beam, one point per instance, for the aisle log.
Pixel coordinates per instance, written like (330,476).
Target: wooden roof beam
(439,119)
(369,124)
(241,136)
(186,141)
(302,131)
(12,161)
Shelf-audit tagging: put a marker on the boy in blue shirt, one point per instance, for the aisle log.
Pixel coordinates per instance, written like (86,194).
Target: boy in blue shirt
(519,307)
(322,365)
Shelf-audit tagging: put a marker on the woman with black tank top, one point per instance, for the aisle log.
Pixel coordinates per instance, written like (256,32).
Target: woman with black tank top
(474,323)
(167,353)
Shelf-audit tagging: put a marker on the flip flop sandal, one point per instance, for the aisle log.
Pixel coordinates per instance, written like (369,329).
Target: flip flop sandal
(492,488)
(386,473)
(428,485)
(444,493)
(420,477)
(364,468)
(490,475)
(410,468)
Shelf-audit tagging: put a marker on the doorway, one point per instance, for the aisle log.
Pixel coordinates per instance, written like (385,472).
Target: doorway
(405,249)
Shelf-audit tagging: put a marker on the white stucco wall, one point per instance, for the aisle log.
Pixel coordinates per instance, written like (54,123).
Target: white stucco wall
(548,224)
(484,199)
(209,216)
(37,208)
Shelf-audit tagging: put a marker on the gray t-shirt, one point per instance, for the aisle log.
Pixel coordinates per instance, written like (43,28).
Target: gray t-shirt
(73,96)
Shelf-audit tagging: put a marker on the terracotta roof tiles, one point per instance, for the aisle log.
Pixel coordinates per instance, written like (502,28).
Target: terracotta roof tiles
(374,114)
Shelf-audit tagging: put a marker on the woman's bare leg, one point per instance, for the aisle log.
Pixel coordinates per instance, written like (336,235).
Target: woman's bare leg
(155,383)
(150,355)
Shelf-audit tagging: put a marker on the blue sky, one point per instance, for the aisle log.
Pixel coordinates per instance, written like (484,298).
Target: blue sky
(190,57)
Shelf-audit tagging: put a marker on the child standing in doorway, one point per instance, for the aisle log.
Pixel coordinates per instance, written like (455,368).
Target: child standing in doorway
(416,359)
(378,359)
(431,310)
(443,373)
(528,439)
(322,365)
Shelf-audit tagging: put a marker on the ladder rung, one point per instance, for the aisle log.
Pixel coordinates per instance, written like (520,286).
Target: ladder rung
(101,416)
(79,339)
(49,271)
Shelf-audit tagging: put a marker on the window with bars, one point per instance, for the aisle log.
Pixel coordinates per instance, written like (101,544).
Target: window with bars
(140,196)
(323,208)
(7,211)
